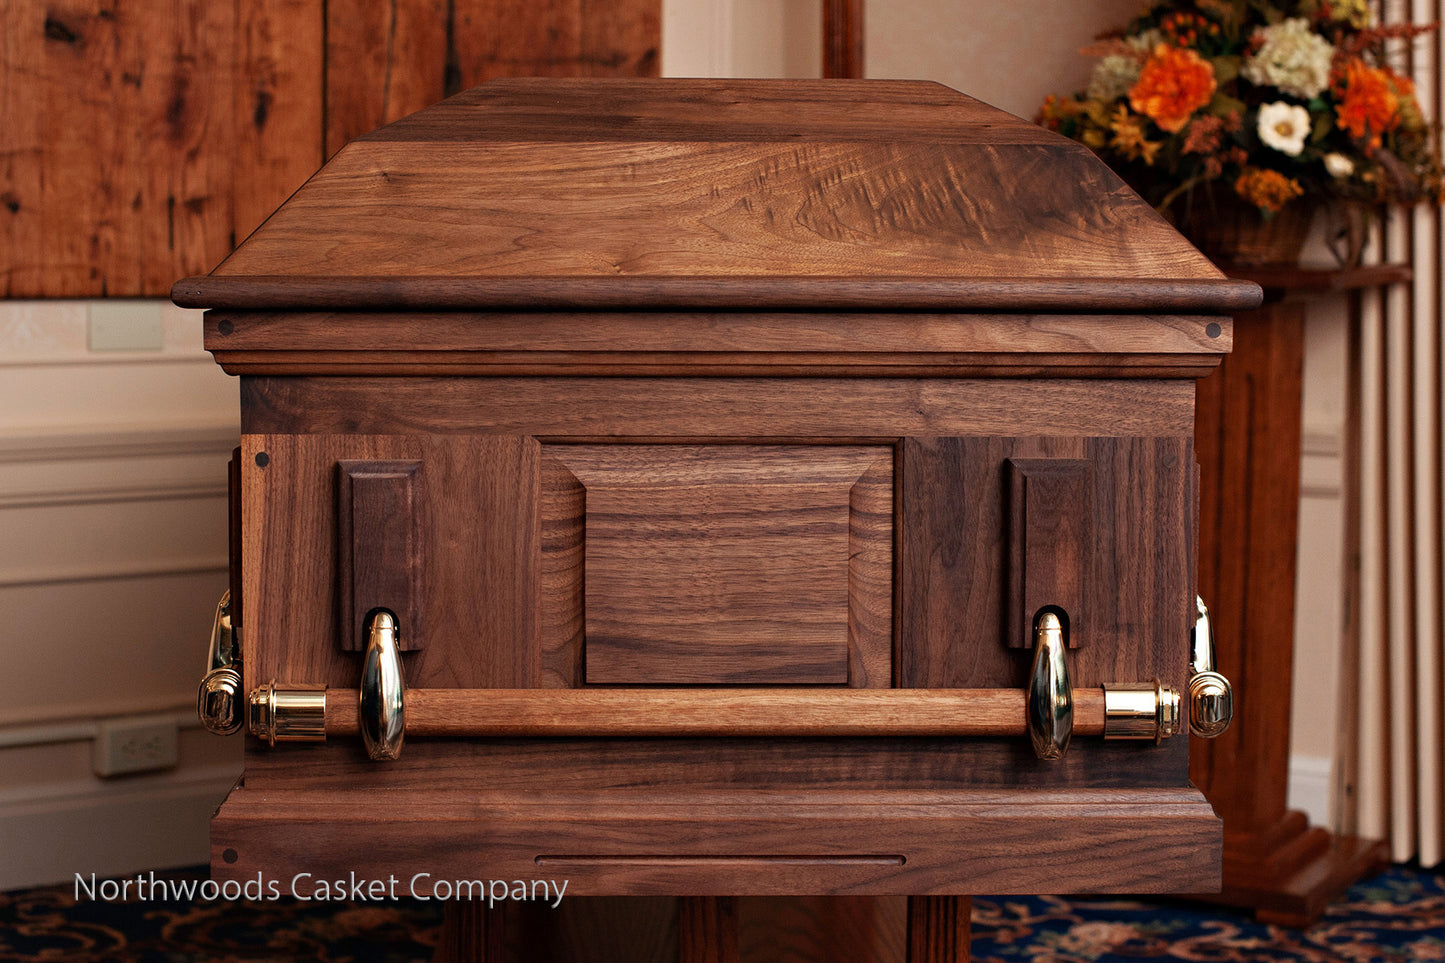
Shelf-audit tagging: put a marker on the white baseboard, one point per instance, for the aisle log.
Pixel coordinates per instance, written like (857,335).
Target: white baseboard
(1309,787)
(50,833)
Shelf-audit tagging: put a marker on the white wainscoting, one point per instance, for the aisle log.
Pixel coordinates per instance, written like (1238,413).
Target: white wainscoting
(112,555)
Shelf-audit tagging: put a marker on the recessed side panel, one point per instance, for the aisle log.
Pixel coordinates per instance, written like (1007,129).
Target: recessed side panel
(718,564)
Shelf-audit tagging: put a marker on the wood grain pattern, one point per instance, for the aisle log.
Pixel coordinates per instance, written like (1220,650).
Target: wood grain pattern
(279,112)
(715,109)
(1249,444)
(1050,550)
(481,578)
(758,410)
(700,843)
(144,137)
(805,929)
(765,293)
(380,549)
(588,929)
(707,930)
(234,536)
(698,209)
(109,181)
(383,61)
(470,933)
(843,38)
(556,38)
(562,579)
(492,199)
(693,712)
(589,763)
(711,343)
(953,559)
(713,564)
(938,929)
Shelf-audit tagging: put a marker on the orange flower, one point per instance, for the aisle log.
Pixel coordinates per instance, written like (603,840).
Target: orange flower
(1267,190)
(1173,84)
(1368,104)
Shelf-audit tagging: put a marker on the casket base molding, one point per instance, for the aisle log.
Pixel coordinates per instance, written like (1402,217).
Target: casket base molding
(719,842)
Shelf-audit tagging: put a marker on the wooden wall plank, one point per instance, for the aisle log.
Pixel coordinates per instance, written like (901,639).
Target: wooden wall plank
(144,138)
(517,38)
(278,107)
(383,61)
(621,39)
(114,181)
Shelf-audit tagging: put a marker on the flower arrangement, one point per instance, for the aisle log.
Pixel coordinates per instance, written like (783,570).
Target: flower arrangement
(1274,102)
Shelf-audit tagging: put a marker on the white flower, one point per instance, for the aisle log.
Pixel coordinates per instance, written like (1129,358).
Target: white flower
(1339,165)
(1112,77)
(1292,57)
(1284,127)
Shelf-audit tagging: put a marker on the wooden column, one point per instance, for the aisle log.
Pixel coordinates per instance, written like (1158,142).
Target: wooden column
(843,38)
(1247,439)
(939,929)
(470,933)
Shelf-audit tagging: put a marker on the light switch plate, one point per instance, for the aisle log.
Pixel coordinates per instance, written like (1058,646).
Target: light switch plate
(127,325)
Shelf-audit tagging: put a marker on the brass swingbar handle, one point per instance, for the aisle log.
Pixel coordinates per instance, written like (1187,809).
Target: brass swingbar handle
(714,712)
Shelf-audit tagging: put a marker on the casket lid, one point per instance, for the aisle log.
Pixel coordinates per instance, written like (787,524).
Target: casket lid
(881,195)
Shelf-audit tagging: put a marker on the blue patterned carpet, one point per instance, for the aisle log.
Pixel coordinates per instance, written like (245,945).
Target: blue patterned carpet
(1396,916)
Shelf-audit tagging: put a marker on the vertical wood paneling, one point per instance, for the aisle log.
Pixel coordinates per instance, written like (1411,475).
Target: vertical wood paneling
(383,61)
(115,180)
(278,106)
(143,138)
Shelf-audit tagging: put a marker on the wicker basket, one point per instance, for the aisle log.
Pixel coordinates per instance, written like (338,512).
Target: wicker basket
(1231,231)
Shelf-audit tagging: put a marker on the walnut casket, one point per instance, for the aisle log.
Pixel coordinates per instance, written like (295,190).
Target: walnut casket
(700,487)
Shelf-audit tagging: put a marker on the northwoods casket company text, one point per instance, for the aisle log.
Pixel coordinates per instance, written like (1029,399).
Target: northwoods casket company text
(307,887)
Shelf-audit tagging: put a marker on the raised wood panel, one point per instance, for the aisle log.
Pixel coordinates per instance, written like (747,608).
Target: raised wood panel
(776,409)
(726,564)
(1051,545)
(953,560)
(480,577)
(380,549)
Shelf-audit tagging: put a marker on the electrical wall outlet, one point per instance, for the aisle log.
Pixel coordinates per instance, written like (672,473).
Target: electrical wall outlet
(127,325)
(134,744)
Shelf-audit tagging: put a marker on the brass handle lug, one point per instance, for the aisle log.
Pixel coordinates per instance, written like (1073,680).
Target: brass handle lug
(219,700)
(294,714)
(1211,697)
(1050,695)
(381,703)
(1141,711)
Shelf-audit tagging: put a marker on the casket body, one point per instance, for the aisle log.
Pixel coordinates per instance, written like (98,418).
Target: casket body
(726,400)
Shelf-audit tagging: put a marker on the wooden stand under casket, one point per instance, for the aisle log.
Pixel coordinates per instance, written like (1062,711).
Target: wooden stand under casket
(718,447)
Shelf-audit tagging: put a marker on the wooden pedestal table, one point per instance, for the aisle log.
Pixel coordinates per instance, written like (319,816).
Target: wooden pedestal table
(1247,440)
